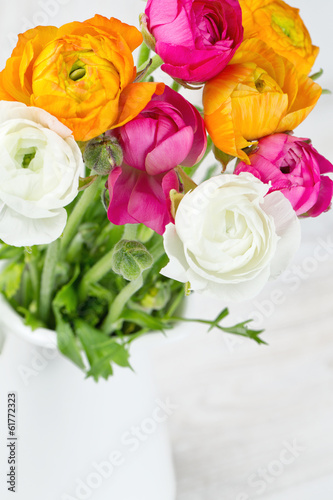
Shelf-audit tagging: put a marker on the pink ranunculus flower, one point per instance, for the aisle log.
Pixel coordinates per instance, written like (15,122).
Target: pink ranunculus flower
(167,133)
(195,38)
(294,167)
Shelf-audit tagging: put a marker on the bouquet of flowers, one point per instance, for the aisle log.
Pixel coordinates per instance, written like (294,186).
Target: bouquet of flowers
(103,229)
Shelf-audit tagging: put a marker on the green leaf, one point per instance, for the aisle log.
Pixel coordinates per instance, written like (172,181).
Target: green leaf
(100,292)
(222,157)
(145,320)
(66,299)
(10,278)
(101,350)
(116,353)
(239,329)
(67,342)
(30,319)
(7,252)
(219,318)
(317,75)
(243,330)
(142,71)
(210,172)
(85,182)
(92,342)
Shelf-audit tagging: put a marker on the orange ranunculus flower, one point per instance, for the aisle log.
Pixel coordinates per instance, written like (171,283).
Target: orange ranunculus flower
(282,28)
(82,73)
(259,93)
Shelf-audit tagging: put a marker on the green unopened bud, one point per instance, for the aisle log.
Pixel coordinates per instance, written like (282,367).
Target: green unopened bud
(130,259)
(147,36)
(103,154)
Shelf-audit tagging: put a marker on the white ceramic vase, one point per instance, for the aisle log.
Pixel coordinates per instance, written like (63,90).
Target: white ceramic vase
(77,439)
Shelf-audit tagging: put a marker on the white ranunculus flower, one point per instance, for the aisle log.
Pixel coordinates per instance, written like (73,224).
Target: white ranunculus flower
(229,238)
(40,164)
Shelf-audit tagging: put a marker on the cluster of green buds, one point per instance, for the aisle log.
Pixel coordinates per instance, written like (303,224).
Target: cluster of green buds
(130,259)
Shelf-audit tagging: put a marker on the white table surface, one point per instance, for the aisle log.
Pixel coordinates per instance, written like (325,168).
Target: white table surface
(240,406)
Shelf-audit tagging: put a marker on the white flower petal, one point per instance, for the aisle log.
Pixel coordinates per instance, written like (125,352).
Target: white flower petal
(33,195)
(230,236)
(288,228)
(18,230)
(177,267)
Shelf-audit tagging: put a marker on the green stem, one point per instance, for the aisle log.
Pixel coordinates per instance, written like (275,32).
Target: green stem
(48,279)
(156,251)
(178,298)
(95,273)
(35,281)
(130,232)
(143,58)
(120,302)
(77,215)
(175,86)
(156,63)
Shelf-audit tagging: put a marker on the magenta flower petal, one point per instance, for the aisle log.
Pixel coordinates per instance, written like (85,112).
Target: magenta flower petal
(137,128)
(137,197)
(195,39)
(302,198)
(170,152)
(121,183)
(272,150)
(164,12)
(168,132)
(294,167)
(324,198)
(325,166)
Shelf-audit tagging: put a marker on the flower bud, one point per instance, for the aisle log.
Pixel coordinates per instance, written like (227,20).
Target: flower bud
(130,259)
(103,154)
(147,36)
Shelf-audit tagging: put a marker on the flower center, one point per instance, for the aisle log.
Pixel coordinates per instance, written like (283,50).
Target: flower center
(209,22)
(25,156)
(282,22)
(290,162)
(77,71)
(27,159)
(260,85)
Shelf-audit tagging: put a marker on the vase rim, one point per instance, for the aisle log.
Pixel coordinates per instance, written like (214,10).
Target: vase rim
(11,322)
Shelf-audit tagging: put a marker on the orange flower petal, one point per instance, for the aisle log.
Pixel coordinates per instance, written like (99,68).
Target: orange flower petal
(84,127)
(4,96)
(17,73)
(306,99)
(257,52)
(218,89)
(281,27)
(223,133)
(259,115)
(131,35)
(134,99)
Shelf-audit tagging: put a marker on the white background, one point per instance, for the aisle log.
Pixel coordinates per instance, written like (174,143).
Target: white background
(239,404)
